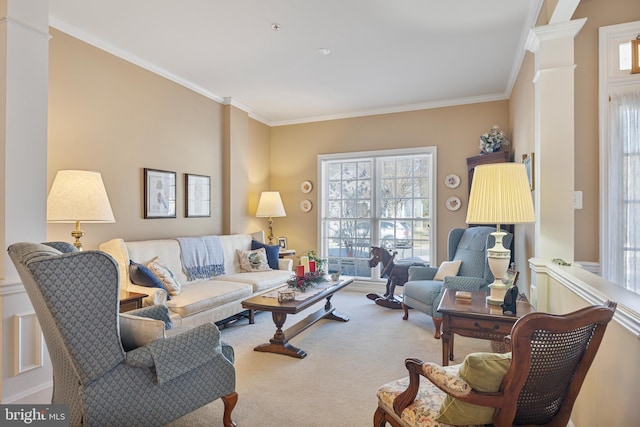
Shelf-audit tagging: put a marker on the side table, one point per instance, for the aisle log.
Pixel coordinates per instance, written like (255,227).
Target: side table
(130,300)
(286,252)
(474,318)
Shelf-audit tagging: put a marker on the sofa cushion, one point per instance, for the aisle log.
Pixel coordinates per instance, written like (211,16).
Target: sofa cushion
(143,276)
(138,331)
(261,280)
(273,253)
(165,275)
(118,250)
(255,260)
(207,294)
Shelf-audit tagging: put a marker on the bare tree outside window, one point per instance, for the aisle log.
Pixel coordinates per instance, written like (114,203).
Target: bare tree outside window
(382,199)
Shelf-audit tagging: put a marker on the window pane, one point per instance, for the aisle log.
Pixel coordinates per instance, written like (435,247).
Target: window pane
(376,201)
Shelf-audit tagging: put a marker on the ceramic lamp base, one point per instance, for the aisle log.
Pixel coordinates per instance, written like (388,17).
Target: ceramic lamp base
(498,291)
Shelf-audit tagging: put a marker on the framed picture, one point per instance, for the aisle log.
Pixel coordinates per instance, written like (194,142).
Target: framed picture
(282,242)
(527,159)
(159,194)
(197,193)
(510,278)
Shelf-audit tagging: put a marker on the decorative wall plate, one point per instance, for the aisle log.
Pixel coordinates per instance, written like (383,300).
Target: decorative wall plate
(306,187)
(306,205)
(453,203)
(452,180)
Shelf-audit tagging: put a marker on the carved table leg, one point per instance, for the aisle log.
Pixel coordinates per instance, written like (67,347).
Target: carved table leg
(279,343)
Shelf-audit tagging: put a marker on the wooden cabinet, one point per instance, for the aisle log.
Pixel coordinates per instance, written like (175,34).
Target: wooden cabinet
(483,159)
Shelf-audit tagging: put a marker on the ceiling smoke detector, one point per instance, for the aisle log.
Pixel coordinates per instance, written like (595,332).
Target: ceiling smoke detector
(323,51)
(275,26)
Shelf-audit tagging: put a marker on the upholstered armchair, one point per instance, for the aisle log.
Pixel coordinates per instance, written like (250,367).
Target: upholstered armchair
(76,299)
(536,384)
(467,249)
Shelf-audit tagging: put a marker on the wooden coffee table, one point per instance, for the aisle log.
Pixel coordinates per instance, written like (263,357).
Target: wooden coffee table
(279,310)
(475,318)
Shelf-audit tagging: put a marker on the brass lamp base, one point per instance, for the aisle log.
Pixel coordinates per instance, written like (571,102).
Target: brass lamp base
(77,233)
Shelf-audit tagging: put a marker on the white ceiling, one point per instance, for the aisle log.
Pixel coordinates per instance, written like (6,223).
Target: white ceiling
(386,55)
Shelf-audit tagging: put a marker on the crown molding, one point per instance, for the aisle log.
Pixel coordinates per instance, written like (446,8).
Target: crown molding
(397,109)
(128,56)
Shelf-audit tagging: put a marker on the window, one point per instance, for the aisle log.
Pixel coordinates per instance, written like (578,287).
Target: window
(380,198)
(619,158)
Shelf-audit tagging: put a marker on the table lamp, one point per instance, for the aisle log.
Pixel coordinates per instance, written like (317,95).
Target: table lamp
(270,205)
(500,194)
(77,196)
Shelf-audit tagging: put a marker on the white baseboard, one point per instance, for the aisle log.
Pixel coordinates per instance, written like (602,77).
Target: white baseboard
(40,394)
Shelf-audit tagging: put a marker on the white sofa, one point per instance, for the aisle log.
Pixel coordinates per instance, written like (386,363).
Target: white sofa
(199,301)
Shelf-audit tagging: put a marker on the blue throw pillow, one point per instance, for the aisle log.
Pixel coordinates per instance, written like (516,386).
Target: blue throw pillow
(143,276)
(273,253)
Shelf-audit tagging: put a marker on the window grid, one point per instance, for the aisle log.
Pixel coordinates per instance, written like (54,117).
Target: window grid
(378,200)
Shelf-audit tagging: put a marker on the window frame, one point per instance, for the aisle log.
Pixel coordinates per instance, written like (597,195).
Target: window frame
(375,154)
(611,81)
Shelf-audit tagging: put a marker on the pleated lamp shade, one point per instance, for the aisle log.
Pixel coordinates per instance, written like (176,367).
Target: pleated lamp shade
(500,194)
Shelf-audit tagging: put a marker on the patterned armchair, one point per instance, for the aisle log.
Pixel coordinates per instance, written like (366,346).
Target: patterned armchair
(468,245)
(536,384)
(76,299)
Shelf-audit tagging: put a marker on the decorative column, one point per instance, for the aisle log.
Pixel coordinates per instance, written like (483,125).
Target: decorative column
(24,47)
(553,47)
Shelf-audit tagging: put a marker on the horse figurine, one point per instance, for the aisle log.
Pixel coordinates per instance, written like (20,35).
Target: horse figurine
(397,275)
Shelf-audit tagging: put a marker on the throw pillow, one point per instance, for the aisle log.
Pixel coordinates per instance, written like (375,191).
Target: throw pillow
(142,276)
(273,253)
(255,260)
(483,372)
(138,331)
(447,268)
(165,275)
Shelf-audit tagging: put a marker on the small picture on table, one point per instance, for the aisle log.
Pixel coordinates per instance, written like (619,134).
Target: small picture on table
(282,242)
(510,278)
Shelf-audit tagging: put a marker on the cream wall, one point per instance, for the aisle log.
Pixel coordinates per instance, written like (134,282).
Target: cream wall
(109,115)
(599,13)
(454,131)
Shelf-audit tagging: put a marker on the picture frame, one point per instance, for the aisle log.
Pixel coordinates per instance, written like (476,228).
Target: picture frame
(197,196)
(159,194)
(511,278)
(282,242)
(528,159)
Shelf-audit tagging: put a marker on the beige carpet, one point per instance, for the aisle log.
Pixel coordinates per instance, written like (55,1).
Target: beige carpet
(335,385)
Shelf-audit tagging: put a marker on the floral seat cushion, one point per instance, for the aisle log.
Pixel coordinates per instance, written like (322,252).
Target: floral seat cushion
(426,406)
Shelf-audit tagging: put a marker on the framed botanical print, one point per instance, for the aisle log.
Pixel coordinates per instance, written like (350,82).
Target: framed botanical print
(197,195)
(159,194)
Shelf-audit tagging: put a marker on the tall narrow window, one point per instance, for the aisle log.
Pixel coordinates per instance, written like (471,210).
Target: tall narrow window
(623,258)
(619,157)
(376,199)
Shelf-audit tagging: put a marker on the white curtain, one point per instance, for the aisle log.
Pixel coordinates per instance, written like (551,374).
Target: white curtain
(622,263)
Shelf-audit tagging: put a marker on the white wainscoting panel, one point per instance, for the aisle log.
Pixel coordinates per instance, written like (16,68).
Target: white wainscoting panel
(28,343)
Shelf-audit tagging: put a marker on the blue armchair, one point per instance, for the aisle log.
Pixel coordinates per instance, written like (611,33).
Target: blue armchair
(468,245)
(76,299)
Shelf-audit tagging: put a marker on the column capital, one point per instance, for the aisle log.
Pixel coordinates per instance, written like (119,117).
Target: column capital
(556,31)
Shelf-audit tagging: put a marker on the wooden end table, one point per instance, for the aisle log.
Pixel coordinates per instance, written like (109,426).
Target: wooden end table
(130,300)
(280,342)
(475,318)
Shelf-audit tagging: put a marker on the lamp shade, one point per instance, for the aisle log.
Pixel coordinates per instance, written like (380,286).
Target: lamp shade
(270,205)
(78,196)
(500,194)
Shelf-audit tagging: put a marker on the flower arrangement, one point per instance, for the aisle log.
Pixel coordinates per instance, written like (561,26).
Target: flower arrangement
(309,279)
(493,140)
